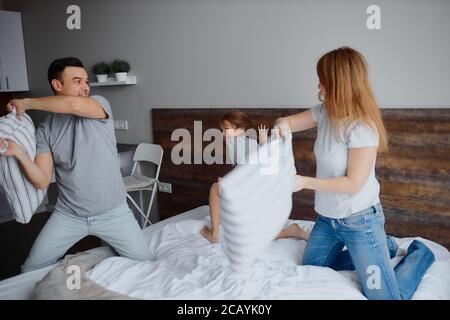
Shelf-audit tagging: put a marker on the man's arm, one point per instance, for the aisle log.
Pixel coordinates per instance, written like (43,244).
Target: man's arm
(79,106)
(39,172)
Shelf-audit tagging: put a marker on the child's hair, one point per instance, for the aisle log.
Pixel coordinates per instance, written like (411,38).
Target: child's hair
(348,95)
(238,118)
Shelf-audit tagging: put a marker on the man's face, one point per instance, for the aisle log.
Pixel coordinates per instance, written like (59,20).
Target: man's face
(74,82)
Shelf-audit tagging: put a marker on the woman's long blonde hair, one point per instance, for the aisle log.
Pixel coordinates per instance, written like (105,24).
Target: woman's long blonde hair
(348,95)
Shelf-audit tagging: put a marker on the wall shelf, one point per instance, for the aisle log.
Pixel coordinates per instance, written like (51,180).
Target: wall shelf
(112,82)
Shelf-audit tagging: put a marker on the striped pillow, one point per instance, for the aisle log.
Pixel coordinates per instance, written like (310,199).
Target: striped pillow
(256,201)
(22,196)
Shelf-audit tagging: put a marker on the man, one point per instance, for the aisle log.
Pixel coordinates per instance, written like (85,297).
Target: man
(78,140)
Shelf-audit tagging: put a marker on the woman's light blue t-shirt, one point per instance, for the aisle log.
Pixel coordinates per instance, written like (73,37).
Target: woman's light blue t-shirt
(331,152)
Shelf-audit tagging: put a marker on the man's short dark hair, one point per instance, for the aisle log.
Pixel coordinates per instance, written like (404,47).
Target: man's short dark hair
(57,67)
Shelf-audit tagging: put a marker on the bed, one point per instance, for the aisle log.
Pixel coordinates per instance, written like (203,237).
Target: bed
(415,184)
(190,268)
(21,286)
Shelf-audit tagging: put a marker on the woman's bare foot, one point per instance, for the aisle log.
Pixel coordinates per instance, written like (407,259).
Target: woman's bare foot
(293,231)
(208,235)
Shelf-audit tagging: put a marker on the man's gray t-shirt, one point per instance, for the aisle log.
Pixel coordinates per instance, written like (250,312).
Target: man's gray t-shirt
(87,167)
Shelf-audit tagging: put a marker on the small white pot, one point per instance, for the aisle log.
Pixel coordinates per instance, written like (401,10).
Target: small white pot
(102,77)
(121,76)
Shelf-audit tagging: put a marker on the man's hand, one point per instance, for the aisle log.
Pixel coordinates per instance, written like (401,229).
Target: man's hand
(13,148)
(20,105)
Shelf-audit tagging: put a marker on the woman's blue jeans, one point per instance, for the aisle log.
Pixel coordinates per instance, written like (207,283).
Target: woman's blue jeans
(368,252)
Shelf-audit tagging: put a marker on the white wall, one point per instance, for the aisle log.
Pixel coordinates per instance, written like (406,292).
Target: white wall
(241,53)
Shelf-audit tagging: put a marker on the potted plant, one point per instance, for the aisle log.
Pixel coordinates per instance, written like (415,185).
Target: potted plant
(120,69)
(101,70)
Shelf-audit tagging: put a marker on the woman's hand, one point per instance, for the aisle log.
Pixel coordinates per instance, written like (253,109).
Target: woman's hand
(281,128)
(262,134)
(300,183)
(13,148)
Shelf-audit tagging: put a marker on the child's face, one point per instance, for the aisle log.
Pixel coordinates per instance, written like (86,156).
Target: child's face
(230,130)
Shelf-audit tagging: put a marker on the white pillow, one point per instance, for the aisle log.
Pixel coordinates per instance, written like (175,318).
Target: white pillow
(23,198)
(256,200)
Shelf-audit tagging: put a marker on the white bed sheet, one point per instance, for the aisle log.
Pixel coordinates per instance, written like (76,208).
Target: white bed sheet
(21,286)
(189,267)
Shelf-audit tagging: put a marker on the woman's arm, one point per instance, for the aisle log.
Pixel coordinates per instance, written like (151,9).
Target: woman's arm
(79,106)
(295,123)
(360,162)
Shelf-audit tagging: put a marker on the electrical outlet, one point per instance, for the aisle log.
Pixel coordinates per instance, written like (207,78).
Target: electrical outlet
(165,187)
(120,124)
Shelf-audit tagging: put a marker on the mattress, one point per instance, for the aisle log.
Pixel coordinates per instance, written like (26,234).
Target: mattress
(189,267)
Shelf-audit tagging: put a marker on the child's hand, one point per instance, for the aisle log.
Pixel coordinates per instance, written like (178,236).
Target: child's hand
(262,133)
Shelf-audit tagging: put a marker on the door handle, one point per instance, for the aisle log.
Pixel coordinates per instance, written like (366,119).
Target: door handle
(7,83)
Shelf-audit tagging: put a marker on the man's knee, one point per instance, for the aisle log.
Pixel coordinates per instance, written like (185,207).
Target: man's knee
(137,250)
(30,265)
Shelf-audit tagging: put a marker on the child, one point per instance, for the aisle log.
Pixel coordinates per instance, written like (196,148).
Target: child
(234,125)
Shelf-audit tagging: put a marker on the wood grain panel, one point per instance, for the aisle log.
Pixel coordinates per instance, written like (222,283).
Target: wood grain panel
(414,175)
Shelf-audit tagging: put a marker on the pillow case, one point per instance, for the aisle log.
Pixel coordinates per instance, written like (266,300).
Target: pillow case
(23,198)
(256,200)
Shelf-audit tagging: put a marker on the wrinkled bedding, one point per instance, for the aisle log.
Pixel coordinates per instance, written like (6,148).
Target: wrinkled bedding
(189,267)
(66,283)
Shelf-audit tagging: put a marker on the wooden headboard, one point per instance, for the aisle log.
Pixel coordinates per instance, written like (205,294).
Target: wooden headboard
(414,174)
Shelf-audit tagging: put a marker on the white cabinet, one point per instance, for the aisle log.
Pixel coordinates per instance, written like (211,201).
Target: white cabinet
(13,67)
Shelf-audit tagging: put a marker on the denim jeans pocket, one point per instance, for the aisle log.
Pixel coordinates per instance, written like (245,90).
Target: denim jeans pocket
(361,218)
(357,222)
(377,215)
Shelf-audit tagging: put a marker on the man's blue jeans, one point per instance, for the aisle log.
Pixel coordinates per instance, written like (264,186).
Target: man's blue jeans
(369,253)
(117,227)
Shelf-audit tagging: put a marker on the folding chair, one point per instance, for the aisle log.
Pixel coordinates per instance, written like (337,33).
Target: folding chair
(152,153)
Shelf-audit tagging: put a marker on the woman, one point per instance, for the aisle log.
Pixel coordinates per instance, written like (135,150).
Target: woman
(350,133)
